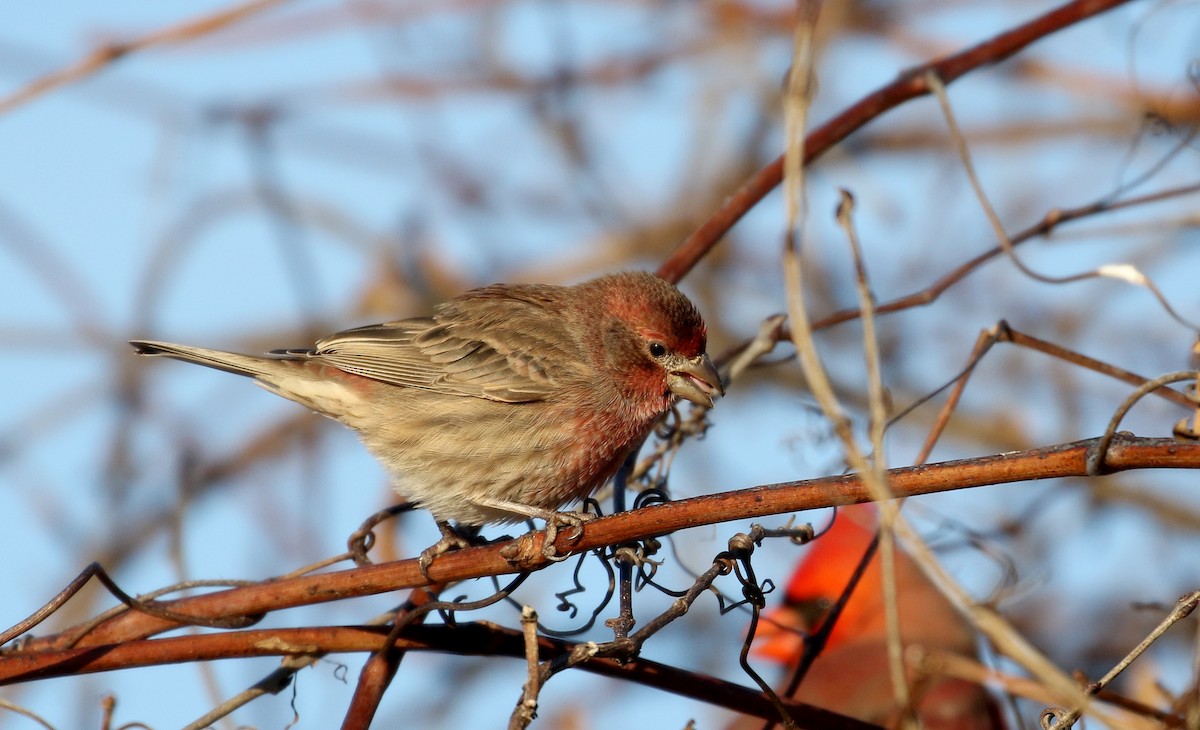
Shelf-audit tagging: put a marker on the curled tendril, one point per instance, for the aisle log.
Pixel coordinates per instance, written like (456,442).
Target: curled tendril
(1052,718)
(756,594)
(742,546)
(638,555)
(801,535)
(447,609)
(565,605)
(753,594)
(1097,452)
(1188,429)
(652,495)
(741,549)
(592,506)
(362,540)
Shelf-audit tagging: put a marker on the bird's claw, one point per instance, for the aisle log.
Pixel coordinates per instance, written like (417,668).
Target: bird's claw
(575,520)
(451,540)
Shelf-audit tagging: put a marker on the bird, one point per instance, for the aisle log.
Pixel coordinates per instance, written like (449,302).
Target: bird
(852,675)
(507,402)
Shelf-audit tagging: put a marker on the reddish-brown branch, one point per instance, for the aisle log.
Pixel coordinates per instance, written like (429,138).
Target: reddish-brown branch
(381,666)
(377,674)
(1067,460)
(910,85)
(472,639)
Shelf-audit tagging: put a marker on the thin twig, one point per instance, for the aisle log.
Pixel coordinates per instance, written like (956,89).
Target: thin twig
(1124,272)
(144,604)
(25,712)
(1049,222)
(1003,332)
(877,423)
(526,709)
(1096,464)
(1059,719)
(105,56)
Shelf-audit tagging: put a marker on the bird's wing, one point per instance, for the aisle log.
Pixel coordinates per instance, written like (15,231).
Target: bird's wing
(506,352)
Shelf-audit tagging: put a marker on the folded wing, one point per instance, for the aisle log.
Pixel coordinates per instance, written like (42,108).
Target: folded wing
(489,354)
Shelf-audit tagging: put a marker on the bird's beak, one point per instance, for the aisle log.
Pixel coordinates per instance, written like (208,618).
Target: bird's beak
(696,380)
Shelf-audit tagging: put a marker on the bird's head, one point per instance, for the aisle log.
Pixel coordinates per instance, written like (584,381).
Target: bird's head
(653,341)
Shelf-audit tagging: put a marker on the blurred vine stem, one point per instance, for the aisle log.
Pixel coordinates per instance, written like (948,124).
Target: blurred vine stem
(1049,222)
(1121,272)
(107,55)
(801,84)
(1053,718)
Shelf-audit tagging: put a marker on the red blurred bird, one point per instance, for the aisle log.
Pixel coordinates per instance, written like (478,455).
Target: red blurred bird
(852,676)
(511,400)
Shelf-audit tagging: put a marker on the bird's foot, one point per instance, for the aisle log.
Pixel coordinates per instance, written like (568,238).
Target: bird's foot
(573,520)
(523,553)
(453,538)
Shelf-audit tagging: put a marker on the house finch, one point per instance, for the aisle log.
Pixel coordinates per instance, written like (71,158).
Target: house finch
(851,676)
(510,401)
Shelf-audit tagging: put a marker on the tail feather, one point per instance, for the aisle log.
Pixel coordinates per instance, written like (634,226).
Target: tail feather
(289,375)
(231,362)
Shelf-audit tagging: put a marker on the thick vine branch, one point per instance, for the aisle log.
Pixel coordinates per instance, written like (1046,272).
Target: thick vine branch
(470,639)
(1065,460)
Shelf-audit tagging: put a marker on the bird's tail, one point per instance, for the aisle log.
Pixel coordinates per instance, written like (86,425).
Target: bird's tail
(231,362)
(289,374)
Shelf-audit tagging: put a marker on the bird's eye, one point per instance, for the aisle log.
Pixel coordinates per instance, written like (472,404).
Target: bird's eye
(658,349)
